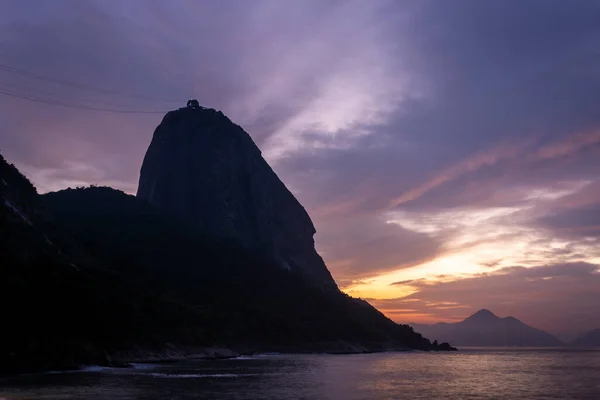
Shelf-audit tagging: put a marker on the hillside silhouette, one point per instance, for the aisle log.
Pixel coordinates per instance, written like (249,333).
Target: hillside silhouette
(93,275)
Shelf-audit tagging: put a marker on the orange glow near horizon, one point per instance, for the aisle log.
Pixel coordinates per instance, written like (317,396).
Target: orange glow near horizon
(478,242)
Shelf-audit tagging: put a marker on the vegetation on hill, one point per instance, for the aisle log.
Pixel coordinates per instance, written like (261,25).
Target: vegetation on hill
(88,274)
(245,300)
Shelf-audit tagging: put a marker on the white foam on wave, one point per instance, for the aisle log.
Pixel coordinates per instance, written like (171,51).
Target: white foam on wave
(93,368)
(191,376)
(83,368)
(144,365)
(101,368)
(66,371)
(245,358)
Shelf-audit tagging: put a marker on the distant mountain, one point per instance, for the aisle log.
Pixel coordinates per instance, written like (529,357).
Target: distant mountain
(589,339)
(484,328)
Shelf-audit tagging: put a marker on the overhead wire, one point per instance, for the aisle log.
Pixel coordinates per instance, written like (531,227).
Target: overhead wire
(76,106)
(48,78)
(54,95)
(31,95)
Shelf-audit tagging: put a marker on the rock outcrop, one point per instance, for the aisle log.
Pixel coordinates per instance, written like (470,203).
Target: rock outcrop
(206,171)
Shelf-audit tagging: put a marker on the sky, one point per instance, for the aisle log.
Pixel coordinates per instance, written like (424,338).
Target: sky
(448,152)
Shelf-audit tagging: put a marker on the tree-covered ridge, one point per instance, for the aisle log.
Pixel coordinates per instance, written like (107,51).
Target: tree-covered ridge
(61,307)
(92,275)
(11,175)
(248,301)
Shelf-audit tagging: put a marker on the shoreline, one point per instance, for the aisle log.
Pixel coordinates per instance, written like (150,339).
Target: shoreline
(128,359)
(175,354)
(171,353)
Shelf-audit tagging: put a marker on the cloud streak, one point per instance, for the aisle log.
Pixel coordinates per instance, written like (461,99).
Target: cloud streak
(570,290)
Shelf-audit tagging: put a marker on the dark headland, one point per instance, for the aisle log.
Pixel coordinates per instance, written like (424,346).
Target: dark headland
(213,257)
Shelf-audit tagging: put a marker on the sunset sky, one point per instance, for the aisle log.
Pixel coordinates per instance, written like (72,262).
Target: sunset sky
(448,152)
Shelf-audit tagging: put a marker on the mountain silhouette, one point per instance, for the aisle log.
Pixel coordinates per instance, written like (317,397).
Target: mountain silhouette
(484,328)
(589,339)
(206,172)
(96,276)
(481,316)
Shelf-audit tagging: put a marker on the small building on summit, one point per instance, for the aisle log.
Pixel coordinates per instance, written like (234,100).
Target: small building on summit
(193,103)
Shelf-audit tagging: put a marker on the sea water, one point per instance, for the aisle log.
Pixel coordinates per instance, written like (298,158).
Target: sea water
(506,373)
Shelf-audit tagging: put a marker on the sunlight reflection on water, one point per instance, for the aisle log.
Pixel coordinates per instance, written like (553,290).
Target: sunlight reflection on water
(468,374)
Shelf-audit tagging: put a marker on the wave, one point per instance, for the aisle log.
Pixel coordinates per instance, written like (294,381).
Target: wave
(96,368)
(191,376)
(83,368)
(144,365)
(92,368)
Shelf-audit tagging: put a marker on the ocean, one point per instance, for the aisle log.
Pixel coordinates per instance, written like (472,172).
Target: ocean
(471,373)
